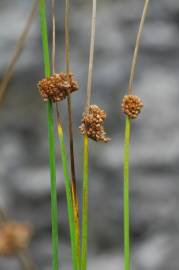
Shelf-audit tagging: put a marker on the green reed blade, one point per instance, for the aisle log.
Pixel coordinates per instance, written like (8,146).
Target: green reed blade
(54,207)
(69,198)
(85,205)
(126,196)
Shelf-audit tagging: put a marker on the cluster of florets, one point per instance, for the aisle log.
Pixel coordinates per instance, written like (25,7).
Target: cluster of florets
(92,124)
(14,237)
(57,87)
(131,106)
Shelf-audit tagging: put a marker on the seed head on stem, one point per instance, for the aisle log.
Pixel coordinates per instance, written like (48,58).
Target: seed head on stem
(131,106)
(92,123)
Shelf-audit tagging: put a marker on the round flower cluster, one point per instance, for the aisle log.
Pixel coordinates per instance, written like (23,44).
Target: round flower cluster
(57,87)
(14,238)
(92,124)
(131,106)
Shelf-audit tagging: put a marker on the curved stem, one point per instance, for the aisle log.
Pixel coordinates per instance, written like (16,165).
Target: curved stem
(18,51)
(126,196)
(85,205)
(137,46)
(54,208)
(91,57)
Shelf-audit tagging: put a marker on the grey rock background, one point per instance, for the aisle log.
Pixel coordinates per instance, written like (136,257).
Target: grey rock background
(24,174)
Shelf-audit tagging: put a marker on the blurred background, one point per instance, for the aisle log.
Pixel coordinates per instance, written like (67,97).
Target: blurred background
(24,172)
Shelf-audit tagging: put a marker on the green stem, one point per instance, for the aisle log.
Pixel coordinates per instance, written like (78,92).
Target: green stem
(71,140)
(54,208)
(85,206)
(126,196)
(69,196)
(84,244)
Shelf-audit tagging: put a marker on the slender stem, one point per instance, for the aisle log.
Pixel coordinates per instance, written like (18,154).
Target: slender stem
(54,205)
(137,46)
(17,52)
(84,249)
(25,261)
(127,259)
(85,205)
(70,128)
(73,182)
(67,36)
(68,193)
(44,33)
(67,62)
(54,208)
(53,37)
(72,159)
(126,196)
(91,57)
(3,217)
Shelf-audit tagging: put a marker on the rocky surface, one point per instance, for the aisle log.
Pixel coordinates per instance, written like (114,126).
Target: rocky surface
(24,175)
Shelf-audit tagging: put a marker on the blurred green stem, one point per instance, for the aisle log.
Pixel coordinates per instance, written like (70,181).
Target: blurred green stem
(68,193)
(126,196)
(54,209)
(85,205)
(84,248)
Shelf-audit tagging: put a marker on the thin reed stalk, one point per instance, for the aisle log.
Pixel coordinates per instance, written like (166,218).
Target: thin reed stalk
(126,195)
(84,249)
(68,192)
(25,261)
(71,206)
(70,129)
(91,57)
(137,47)
(54,208)
(126,212)
(18,50)
(53,36)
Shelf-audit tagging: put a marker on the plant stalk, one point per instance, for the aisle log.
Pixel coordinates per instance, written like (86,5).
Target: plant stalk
(126,196)
(70,128)
(84,249)
(126,213)
(85,205)
(137,46)
(53,36)
(68,193)
(25,261)
(91,57)
(19,48)
(54,208)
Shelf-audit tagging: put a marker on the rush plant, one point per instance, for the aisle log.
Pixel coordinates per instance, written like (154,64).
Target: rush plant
(131,106)
(54,88)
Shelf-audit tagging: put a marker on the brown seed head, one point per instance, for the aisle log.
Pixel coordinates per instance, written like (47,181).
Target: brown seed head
(92,124)
(57,87)
(131,106)
(14,238)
